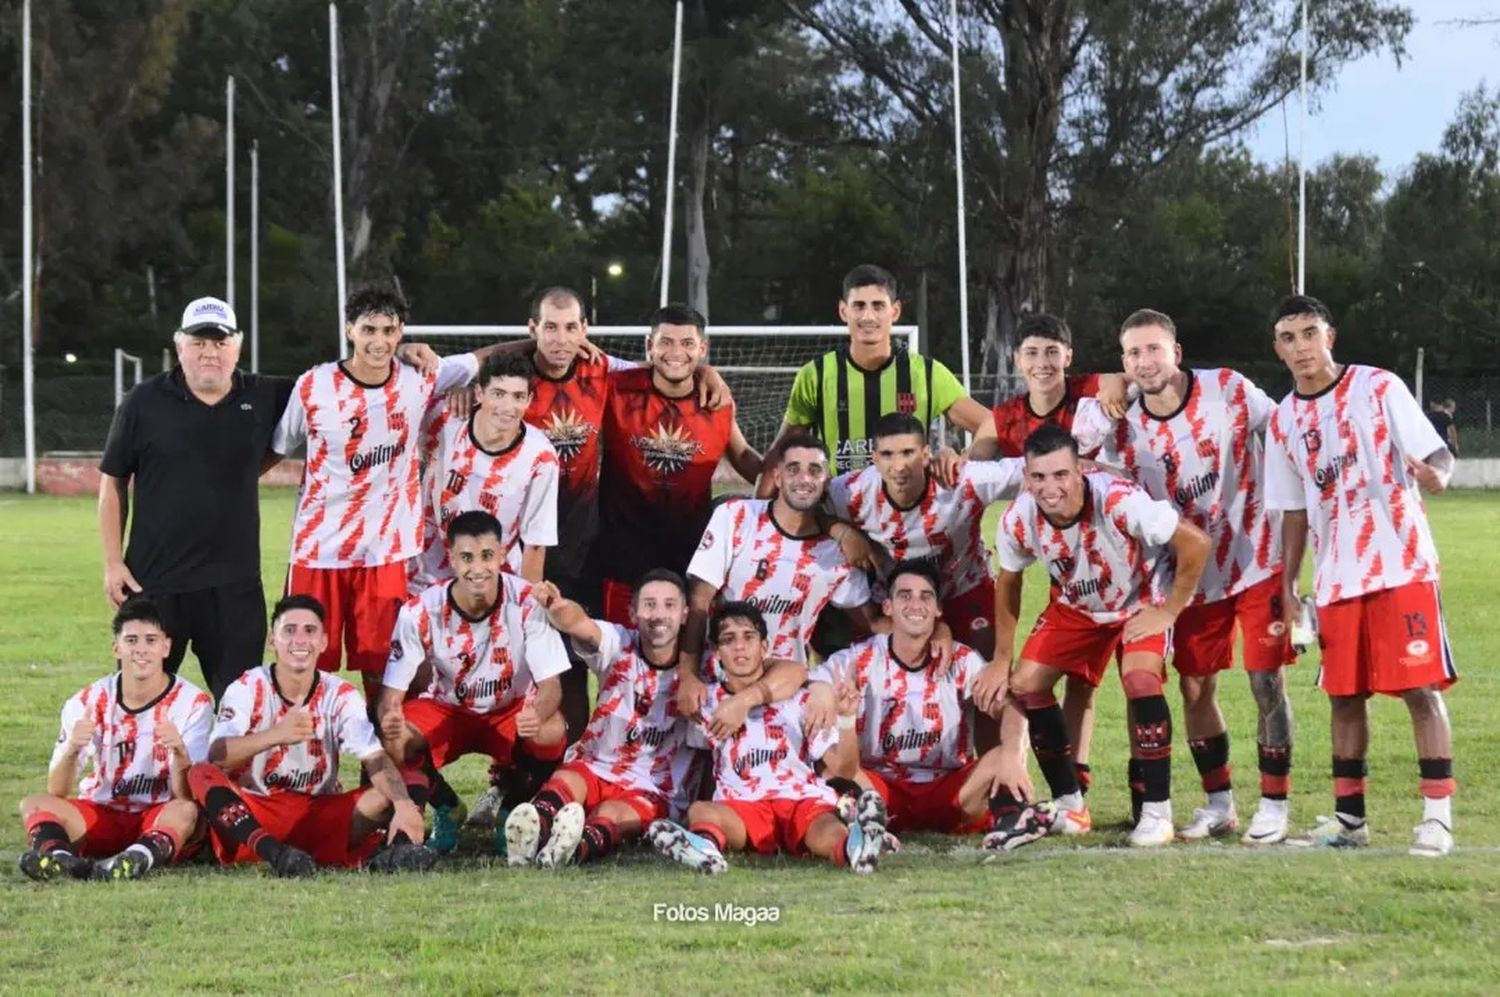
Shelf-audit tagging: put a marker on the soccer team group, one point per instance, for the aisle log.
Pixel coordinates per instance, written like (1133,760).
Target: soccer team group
(814,671)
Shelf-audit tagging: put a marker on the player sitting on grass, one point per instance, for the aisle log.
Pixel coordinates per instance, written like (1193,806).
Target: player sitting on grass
(914,722)
(271,786)
(495,665)
(769,796)
(141,728)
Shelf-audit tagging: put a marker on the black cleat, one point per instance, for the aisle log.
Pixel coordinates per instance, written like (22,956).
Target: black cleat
(403,856)
(294,863)
(1027,824)
(45,867)
(120,867)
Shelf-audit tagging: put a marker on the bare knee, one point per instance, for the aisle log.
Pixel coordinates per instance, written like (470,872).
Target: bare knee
(37,803)
(180,814)
(700,812)
(1268,689)
(1197,690)
(1426,702)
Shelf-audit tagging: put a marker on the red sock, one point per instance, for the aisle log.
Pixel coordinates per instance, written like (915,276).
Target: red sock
(712,833)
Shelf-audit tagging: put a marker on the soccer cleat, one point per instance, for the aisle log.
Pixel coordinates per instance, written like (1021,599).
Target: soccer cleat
(1153,830)
(1071,823)
(1330,832)
(403,856)
(486,809)
(867,833)
(1269,825)
(47,866)
(1210,823)
(443,837)
(1031,823)
(293,863)
(567,831)
(522,835)
(1430,839)
(683,846)
(120,867)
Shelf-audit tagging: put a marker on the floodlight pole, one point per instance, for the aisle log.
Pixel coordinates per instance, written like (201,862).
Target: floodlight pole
(963,233)
(28,374)
(338,173)
(229,191)
(255,256)
(671,192)
(1302,168)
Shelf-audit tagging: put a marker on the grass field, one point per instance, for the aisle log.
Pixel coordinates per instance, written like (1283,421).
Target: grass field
(1057,916)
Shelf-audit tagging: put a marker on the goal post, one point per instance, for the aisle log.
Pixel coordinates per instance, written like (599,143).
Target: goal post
(122,359)
(759,362)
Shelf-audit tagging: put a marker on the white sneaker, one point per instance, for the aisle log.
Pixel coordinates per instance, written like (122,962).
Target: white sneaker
(1269,825)
(1070,823)
(1430,839)
(567,831)
(1210,823)
(486,809)
(1330,832)
(523,833)
(681,845)
(1154,829)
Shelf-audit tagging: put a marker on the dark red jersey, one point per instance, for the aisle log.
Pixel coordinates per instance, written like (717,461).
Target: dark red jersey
(1015,420)
(570,411)
(659,459)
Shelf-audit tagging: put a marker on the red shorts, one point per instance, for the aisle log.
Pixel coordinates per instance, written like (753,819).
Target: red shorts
(452,732)
(359,607)
(1070,641)
(110,830)
(317,824)
(616,602)
(1387,641)
(971,613)
(929,806)
(777,825)
(648,806)
(1203,637)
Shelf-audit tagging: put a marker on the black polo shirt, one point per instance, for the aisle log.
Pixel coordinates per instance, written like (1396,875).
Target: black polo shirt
(195,518)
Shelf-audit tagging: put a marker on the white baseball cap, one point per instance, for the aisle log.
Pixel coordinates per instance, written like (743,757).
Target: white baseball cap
(209,317)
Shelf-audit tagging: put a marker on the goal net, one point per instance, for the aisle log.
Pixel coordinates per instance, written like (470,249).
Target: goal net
(758,362)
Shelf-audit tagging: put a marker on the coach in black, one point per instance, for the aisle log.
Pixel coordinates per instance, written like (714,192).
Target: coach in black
(193,441)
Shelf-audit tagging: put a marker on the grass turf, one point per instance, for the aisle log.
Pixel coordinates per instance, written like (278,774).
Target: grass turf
(935,918)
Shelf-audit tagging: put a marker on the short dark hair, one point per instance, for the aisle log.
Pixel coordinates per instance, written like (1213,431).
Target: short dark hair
(1050,438)
(1300,304)
(924,567)
(678,314)
(898,424)
(1142,317)
(659,575)
(797,438)
(1043,326)
(376,299)
(287,603)
(504,364)
(557,294)
(869,275)
(474,523)
(138,609)
(740,610)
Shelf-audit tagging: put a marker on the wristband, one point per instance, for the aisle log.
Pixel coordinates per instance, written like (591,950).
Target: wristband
(846,723)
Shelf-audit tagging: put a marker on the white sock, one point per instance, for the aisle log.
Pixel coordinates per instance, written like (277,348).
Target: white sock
(1161,809)
(1069,801)
(142,853)
(1277,808)
(1440,810)
(1222,801)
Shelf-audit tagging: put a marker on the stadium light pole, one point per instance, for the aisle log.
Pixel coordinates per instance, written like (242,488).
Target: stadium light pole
(963,234)
(255,256)
(28,374)
(1302,168)
(338,172)
(229,191)
(666,229)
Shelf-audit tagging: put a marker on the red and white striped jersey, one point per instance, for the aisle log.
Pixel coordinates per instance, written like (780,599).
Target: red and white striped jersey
(1341,456)
(518,486)
(746,556)
(635,736)
(483,664)
(1104,563)
(361,499)
(255,703)
(944,525)
(768,758)
(130,768)
(1207,459)
(914,724)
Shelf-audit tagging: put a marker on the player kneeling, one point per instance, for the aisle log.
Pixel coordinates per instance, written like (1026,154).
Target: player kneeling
(914,722)
(271,786)
(630,760)
(140,729)
(769,796)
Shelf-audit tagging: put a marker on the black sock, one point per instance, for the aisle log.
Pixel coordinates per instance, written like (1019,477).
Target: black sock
(224,807)
(1137,788)
(1349,788)
(527,776)
(48,836)
(161,846)
(599,839)
(1211,755)
(1085,776)
(548,802)
(1151,730)
(421,792)
(439,793)
(1053,750)
(1005,807)
(844,787)
(497,775)
(1275,771)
